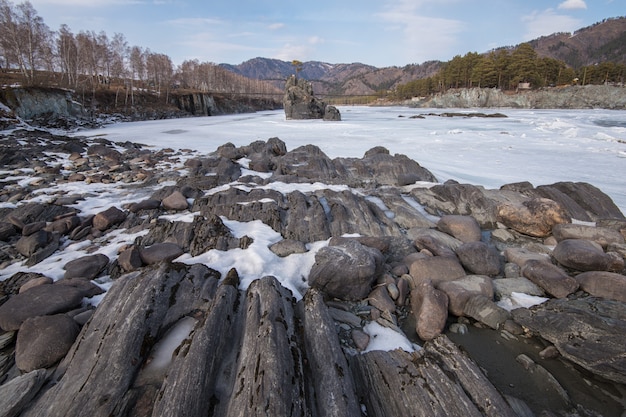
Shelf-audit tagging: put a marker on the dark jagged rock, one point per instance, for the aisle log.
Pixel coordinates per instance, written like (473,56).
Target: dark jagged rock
(111,348)
(379,167)
(459,199)
(335,392)
(429,379)
(300,102)
(588,331)
(16,394)
(346,271)
(590,198)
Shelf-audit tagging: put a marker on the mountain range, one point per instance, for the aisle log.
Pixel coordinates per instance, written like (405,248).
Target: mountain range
(600,42)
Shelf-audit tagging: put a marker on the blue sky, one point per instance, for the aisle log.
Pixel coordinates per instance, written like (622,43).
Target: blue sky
(380,33)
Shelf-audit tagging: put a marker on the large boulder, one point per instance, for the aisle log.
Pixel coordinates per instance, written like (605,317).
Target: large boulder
(345,271)
(300,102)
(108,218)
(549,277)
(87,267)
(604,236)
(43,341)
(585,255)
(535,217)
(464,228)
(603,284)
(430,309)
(436,269)
(461,290)
(480,258)
(38,301)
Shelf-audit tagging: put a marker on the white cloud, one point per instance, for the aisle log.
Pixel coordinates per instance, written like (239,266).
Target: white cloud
(573,4)
(194,21)
(289,52)
(548,22)
(316,40)
(424,37)
(275,26)
(90,4)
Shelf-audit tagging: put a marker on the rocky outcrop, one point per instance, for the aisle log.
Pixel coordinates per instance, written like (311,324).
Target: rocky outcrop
(67,109)
(28,103)
(571,97)
(376,291)
(578,327)
(300,102)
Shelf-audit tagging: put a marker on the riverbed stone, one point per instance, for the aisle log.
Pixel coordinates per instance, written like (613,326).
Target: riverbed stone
(288,247)
(129,259)
(480,258)
(160,252)
(346,271)
(175,201)
(87,267)
(504,287)
(435,268)
(108,218)
(430,309)
(604,284)
(38,301)
(147,204)
(582,255)
(28,245)
(460,290)
(43,280)
(380,298)
(603,236)
(43,341)
(464,228)
(550,277)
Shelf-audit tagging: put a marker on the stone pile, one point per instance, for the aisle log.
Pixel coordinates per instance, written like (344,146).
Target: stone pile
(426,262)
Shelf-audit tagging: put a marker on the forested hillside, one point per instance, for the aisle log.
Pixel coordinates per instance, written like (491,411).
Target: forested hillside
(87,61)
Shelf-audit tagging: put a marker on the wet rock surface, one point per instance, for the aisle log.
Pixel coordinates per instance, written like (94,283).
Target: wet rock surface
(108,306)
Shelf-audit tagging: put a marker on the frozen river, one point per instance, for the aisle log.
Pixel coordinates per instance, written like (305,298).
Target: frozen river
(540,146)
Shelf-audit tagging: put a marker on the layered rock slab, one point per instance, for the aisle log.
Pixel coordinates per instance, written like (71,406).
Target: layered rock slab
(588,331)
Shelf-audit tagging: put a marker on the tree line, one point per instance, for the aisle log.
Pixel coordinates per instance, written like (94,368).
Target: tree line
(88,60)
(507,70)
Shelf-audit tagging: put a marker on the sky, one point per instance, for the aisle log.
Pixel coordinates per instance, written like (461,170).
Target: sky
(375,32)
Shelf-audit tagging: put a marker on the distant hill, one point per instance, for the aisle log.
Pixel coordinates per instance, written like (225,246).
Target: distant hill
(331,79)
(601,42)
